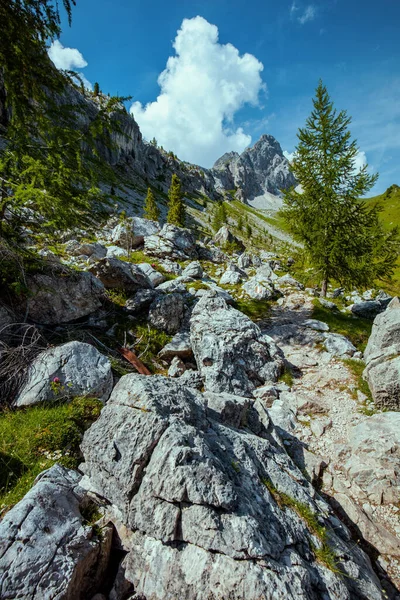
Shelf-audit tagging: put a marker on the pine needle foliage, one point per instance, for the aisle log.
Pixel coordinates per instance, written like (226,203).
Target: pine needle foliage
(176,211)
(342,235)
(151,210)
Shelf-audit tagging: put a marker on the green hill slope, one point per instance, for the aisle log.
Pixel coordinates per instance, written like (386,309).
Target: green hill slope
(390,215)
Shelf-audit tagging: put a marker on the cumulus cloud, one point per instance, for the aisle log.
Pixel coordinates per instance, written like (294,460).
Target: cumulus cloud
(360,160)
(288,155)
(66,58)
(308,14)
(202,87)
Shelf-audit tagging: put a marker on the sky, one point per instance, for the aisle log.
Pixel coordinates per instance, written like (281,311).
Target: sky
(207,77)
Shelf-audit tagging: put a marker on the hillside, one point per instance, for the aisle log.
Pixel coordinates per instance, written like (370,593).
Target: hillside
(390,216)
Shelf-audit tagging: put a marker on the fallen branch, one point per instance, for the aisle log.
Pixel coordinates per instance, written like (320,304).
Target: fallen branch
(134,360)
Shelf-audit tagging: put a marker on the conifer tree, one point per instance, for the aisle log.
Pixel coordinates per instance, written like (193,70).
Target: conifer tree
(151,210)
(96,89)
(220,216)
(176,212)
(342,236)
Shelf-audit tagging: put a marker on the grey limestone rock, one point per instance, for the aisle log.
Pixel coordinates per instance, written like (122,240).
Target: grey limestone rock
(46,550)
(58,299)
(155,276)
(193,270)
(167,312)
(116,252)
(177,367)
(189,480)
(382,358)
(231,353)
(73,369)
(115,273)
(171,242)
(338,345)
(141,300)
(179,346)
(368,309)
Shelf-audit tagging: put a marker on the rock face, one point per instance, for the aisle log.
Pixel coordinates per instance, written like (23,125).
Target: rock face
(56,299)
(46,550)
(73,369)
(382,357)
(195,486)
(231,353)
(114,273)
(171,242)
(260,169)
(193,270)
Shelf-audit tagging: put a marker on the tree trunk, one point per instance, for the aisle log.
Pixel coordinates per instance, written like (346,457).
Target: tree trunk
(324,287)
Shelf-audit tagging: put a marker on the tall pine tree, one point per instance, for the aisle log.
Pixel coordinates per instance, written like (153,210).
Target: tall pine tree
(176,212)
(151,210)
(343,238)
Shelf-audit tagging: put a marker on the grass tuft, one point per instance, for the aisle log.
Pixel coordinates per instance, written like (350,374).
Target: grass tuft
(35,438)
(355,329)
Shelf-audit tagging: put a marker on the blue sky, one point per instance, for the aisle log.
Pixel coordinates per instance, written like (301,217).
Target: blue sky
(216,97)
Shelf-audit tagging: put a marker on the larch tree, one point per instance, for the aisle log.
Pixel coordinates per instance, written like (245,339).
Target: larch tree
(151,210)
(342,236)
(176,207)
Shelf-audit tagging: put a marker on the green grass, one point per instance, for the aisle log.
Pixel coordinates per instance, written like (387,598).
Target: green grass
(323,553)
(33,439)
(287,377)
(355,329)
(357,367)
(150,342)
(390,216)
(256,310)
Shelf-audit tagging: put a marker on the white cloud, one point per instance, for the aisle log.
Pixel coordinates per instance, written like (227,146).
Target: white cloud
(293,8)
(360,160)
(202,87)
(66,58)
(308,14)
(288,155)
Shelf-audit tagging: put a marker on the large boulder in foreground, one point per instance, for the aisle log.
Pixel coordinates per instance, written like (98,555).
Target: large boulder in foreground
(231,353)
(47,552)
(58,299)
(73,369)
(171,242)
(382,358)
(208,504)
(167,312)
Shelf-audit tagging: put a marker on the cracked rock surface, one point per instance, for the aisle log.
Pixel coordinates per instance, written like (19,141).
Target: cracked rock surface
(193,484)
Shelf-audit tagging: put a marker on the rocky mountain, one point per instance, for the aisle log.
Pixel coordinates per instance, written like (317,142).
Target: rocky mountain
(259,174)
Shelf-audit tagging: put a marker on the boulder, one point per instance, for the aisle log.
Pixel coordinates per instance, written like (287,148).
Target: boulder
(155,276)
(47,551)
(141,300)
(258,288)
(288,281)
(172,286)
(167,312)
(247,260)
(367,310)
(122,235)
(374,463)
(171,267)
(338,345)
(179,346)
(194,270)
(382,358)
(211,253)
(224,237)
(196,487)
(73,369)
(75,248)
(116,252)
(192,379)
(316,325)
(114,273)
(143,228)
(230,278)
(58,299)
(231,353)
(171,242)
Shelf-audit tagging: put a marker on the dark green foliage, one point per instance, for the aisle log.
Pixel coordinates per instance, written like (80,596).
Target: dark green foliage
(343,237)
(249,230)
(220,216)
(151,210)
(176,211)
(49,161)
(96,89)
